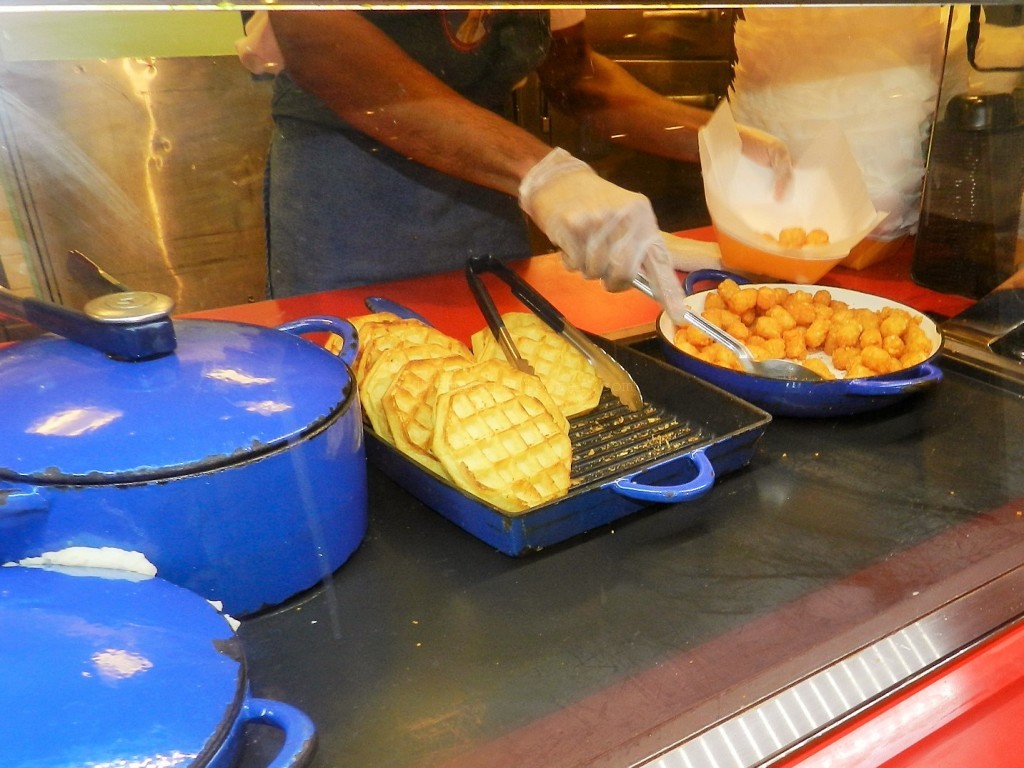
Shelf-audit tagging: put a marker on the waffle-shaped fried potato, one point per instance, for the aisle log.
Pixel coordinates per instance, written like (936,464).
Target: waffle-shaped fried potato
(503,446)
(408,406)
(381,375)
(503,372)
(377,338)
(565,373)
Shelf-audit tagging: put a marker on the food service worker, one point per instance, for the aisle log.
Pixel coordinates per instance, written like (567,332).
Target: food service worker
(389,157)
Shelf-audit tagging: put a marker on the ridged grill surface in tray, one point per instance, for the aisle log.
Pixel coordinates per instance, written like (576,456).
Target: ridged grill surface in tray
(611,441)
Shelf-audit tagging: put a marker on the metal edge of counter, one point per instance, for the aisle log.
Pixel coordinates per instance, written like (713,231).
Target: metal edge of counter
(775,729)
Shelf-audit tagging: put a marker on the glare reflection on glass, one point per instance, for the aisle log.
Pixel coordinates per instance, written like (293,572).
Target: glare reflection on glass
(235,376)
(74,422)
(119,664)
(267,407)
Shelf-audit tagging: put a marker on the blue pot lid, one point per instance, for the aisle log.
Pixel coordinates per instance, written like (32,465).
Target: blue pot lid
(229,392)
(113,672)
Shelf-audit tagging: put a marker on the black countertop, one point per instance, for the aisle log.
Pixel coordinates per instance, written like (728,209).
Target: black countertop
(429,648)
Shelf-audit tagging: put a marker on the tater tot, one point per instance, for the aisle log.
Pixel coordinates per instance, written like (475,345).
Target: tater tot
(716,354)
(714,300)
(878,360)
(774,349)
(766,298)
(714,316)
(867,318)
(822,296)
(781,315)
(820,367)
(910,358)
(738,330)
(814,336)
(870,337)
(793,237)
(817,237)
(680,342)
(796,346)
(845,358)
(894,345)
(727,288)
(769,349)
(843,334)
(859,371)
(743,300)
(696,337)
(803,312)
(768,327)
(895,324)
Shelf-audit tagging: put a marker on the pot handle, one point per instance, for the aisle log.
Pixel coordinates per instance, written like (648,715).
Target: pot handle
(924,376)
(706,275)
(18,500)
(340,329)
(669,494)
(299,731)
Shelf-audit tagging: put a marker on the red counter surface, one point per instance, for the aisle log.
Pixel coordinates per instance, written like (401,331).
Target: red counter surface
(445,299)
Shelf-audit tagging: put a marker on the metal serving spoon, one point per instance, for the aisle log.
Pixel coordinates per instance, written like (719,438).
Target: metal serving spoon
(772,369)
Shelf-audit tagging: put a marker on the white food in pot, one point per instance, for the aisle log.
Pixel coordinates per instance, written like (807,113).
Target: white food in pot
(107,562)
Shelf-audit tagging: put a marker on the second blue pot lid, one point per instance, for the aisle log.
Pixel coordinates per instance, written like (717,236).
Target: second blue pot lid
(230,391)
(112,672)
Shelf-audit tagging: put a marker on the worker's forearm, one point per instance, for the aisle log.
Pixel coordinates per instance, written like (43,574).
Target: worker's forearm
(611,103)
(374,86)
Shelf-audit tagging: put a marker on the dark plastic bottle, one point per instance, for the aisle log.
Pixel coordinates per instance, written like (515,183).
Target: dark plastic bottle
(967,238)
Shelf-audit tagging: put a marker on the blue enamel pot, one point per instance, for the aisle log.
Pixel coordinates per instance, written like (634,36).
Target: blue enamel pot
(232,457)
(102,668)
(839,397)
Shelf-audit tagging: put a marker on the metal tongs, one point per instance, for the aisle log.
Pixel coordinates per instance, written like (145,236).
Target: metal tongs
(612,375)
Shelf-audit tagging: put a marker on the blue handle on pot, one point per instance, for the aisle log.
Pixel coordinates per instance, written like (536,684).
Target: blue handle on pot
(18,500)
(328,324)
(929,374)
(299,731)
(704,275)
(381,304)
(669,494)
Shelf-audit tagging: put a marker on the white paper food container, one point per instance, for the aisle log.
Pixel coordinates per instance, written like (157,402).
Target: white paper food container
(827,192)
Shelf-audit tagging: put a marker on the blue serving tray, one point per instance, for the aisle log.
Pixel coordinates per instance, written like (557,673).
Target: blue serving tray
(688,435)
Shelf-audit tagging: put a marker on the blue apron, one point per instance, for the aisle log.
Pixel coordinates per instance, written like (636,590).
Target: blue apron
(344,210)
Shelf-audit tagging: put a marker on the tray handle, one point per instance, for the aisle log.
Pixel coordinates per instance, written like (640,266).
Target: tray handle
(669,494)
(909,381)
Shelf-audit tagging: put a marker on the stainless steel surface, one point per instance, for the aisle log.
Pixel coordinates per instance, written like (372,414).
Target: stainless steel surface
(129,307)
(777,726)
(153,166)
(988,337)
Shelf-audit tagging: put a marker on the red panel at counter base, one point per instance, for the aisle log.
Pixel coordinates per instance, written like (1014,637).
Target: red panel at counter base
(966,714)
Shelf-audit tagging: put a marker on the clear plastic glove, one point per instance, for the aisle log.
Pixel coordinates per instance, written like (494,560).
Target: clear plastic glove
(603,230)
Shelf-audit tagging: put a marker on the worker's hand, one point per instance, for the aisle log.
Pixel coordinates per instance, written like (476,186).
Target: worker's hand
(768,150)
(603,231)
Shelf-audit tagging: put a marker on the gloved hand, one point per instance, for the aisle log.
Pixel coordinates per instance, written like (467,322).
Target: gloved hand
(770,151)
(603,230)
